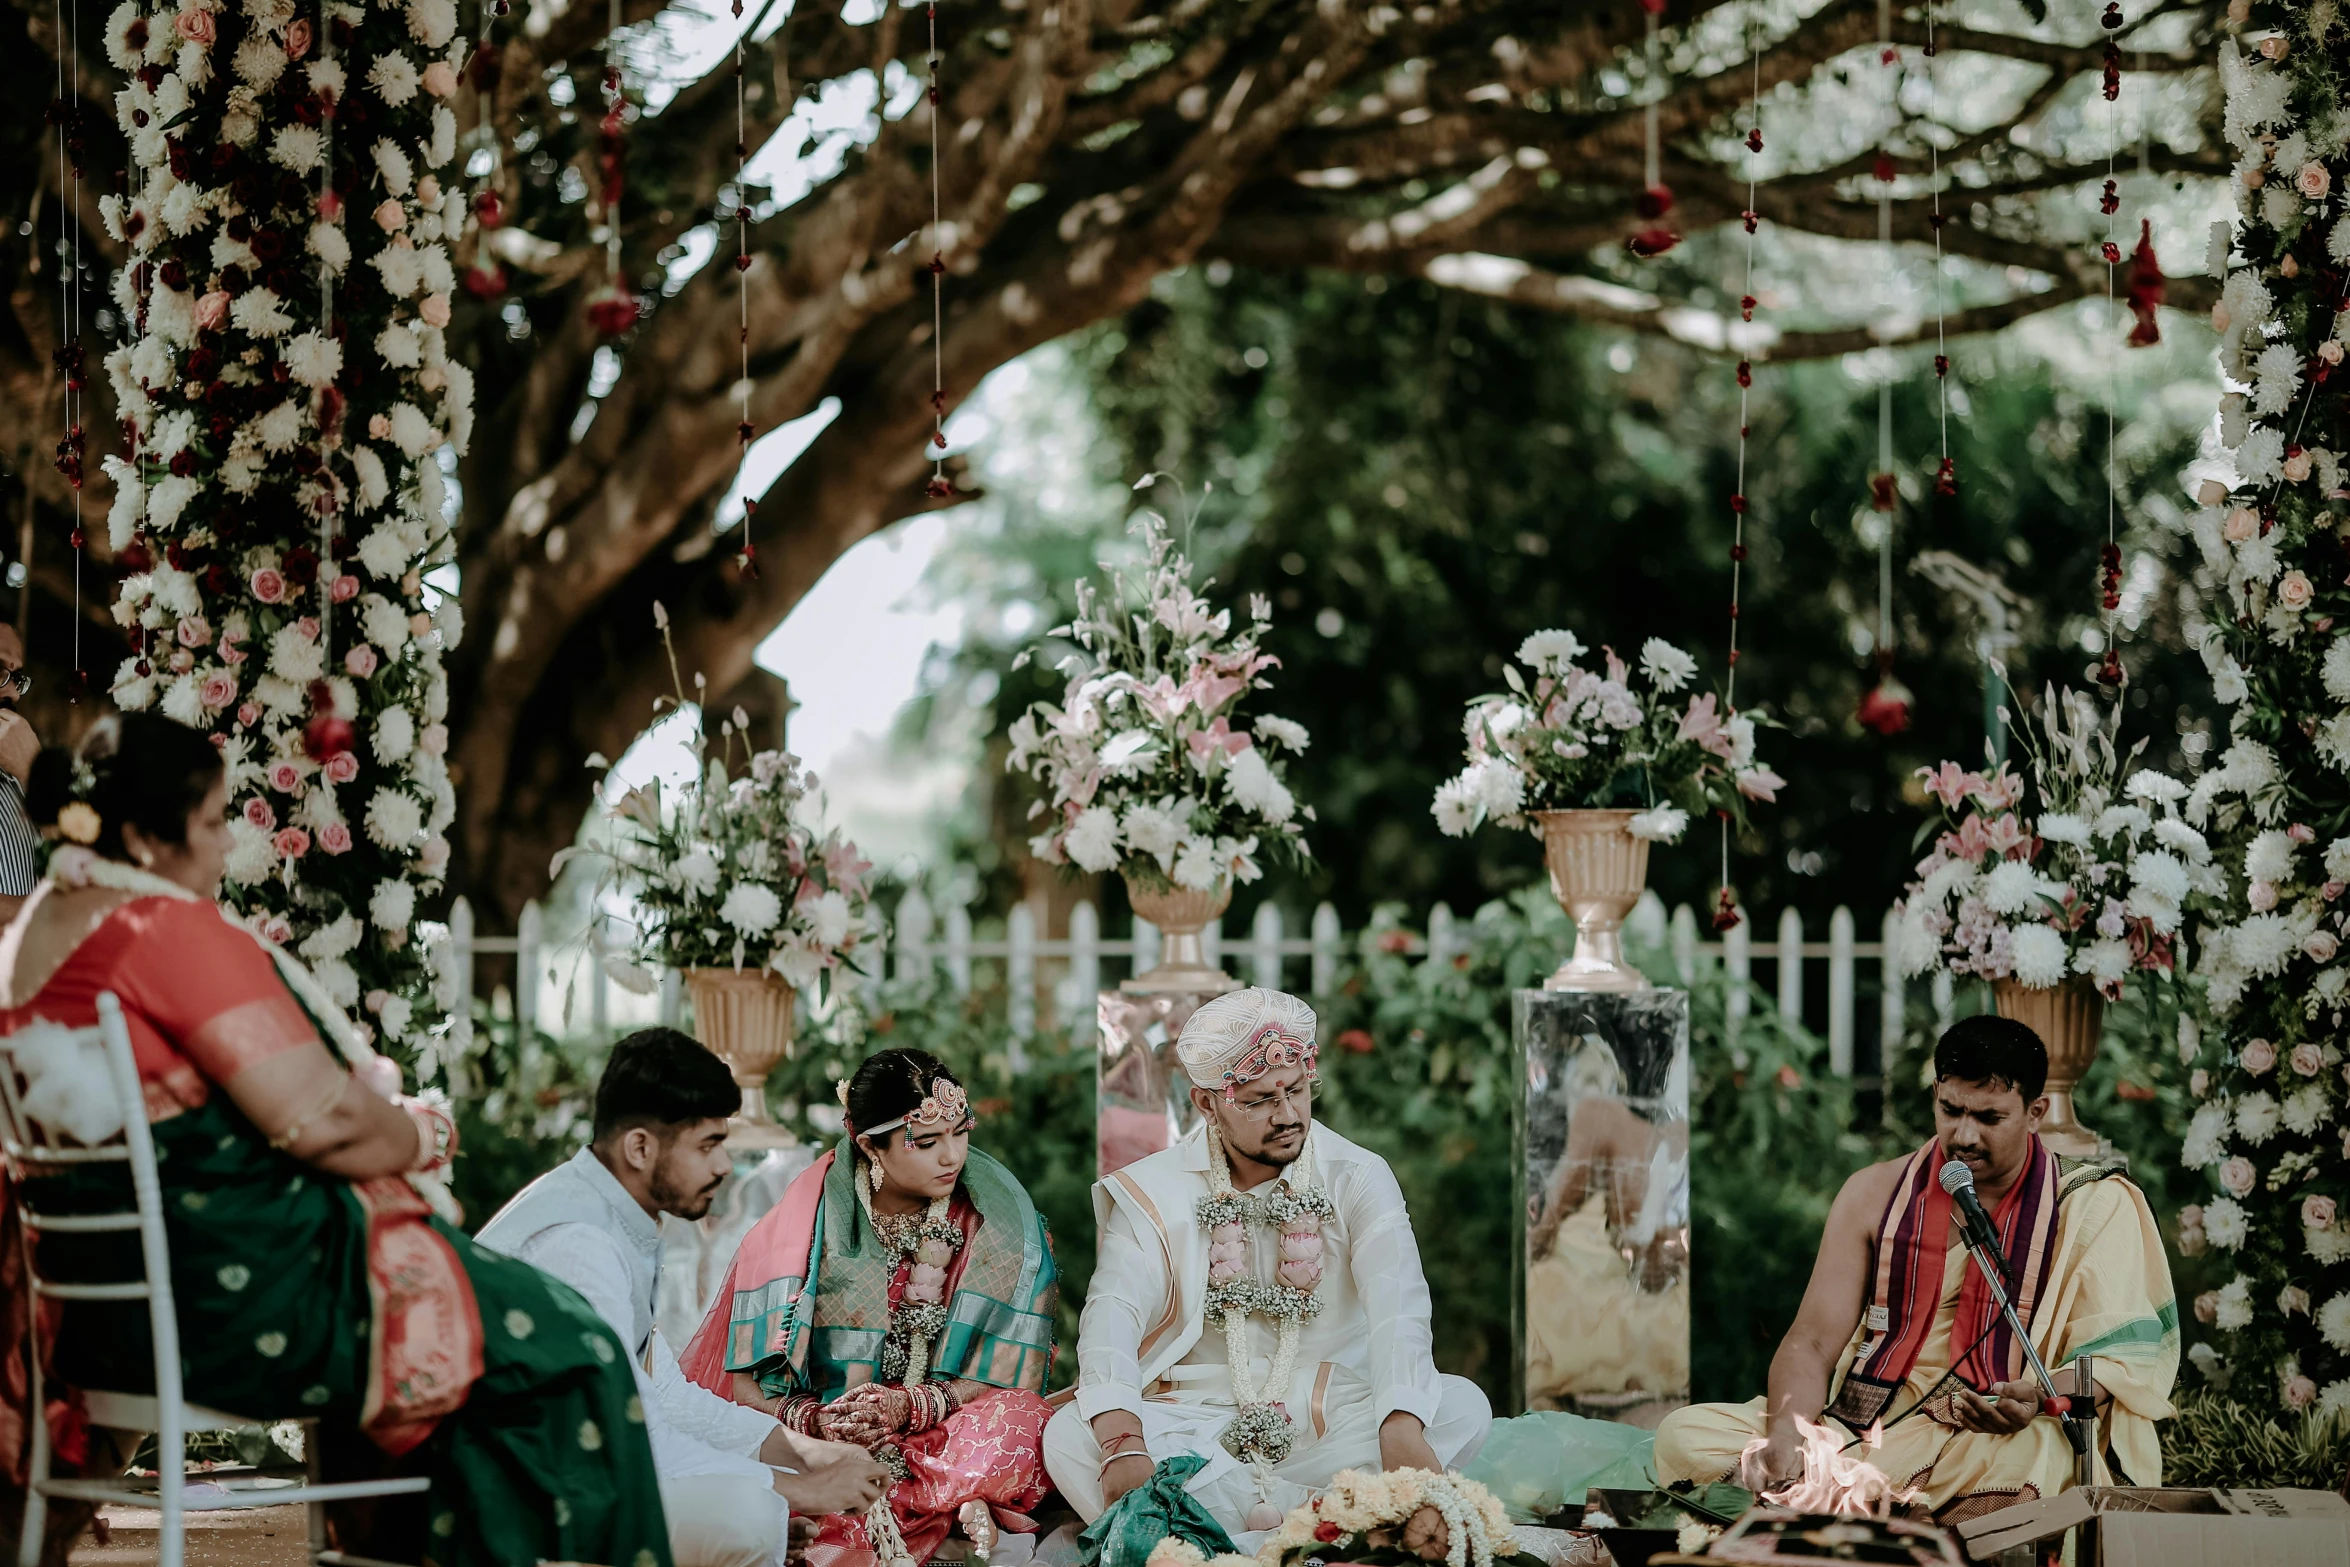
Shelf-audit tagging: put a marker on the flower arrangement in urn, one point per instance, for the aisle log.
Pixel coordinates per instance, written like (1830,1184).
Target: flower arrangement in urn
(2057,884)
(738,886)
(1149,766)
(1600,762)
(1400,1516)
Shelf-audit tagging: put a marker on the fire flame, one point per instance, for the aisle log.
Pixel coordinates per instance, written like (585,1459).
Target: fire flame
(1833,1480)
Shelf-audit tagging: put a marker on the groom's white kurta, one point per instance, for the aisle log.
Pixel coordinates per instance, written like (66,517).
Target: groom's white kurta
(1144,1346)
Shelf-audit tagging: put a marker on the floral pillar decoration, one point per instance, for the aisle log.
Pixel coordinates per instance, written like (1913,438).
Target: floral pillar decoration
(285,405)
(2271,1127)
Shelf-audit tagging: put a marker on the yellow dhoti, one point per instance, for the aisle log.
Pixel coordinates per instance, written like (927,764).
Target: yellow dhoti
(2108,1295)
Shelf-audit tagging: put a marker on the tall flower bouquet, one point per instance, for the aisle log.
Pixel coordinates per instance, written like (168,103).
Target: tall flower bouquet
(2068,869)
(284,389)
(1567,737)
(733,871)
(1149,766)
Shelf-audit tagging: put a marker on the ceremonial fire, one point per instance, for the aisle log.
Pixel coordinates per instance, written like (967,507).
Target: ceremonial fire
(1834,1480)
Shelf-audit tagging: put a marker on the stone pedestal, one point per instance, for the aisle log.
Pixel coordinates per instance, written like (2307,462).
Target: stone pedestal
(1142,1098)
(695,1254)
(1602,1308)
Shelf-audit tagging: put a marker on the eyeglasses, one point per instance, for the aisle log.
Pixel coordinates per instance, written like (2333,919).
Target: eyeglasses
(15,682)
(1260,1108)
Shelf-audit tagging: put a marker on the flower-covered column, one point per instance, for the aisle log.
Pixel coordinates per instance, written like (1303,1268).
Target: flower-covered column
(2271,1128)
(284,400)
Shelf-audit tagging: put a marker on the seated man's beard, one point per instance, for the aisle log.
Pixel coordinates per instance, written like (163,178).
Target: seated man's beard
(1265,1153)
(673,1197)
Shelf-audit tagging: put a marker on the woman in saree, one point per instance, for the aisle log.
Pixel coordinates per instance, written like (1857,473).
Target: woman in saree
(900,1296)
(311,1276)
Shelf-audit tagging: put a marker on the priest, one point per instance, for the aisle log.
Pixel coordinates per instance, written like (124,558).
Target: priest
(1257,1301)
(1898,1328)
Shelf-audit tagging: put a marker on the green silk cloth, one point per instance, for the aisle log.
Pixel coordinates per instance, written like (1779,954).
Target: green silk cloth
(545,1459)
(1158,1508)
(1000,1312)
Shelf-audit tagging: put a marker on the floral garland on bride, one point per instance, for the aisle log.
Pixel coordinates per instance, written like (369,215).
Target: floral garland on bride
(1260,1428)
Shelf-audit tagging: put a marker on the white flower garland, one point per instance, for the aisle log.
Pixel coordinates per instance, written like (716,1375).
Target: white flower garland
(921,1316)
(1260,1430)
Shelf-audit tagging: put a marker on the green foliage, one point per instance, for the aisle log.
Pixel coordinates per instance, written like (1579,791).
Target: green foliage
(2217,1441)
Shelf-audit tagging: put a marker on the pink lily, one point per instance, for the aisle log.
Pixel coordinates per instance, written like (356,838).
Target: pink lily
(2000,790)
(1219,735)
(1703,724)
(2007,837)
(1950,784)
(1760,783)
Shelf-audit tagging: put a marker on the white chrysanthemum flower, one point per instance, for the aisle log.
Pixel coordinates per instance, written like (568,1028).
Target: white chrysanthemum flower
(259,61)
(2155,788)
(297,148)
(2235,1305)
(395,735)
(280,430)
(1092,839)
(251,859)
(2062,827)
(1153,830)
(314,359)
(2333,1322)
(448,620)
(2257,1115)
(1660,824)
(386,550)
(828,919)
(1196,865)
(258,311)
(402,271)
(2278,369)
(2207,1135)
(2305,1108)
(443,144)
(2225,1224)
(751,908)
(2263,944)
(1252,784)
(395,821)
(412,432)
(2123,821)
(341,985)
(2160,875)
(393,76)
(1951,878)
(2039,957)
(2105,961)
(2261,457)
(2013,887)
(695,872)
(385,623)
(395,1016)
(2183,839)
(166,499)
(392,906)
(296,657)
(1499,787)
(2327,1246)
(1455,808)
(393,167)
(181,703)
(1550,651)
(1666,666)
(331,246)
(431,22)
(2269,857)
(1283,731)
(331,940)
(397,345)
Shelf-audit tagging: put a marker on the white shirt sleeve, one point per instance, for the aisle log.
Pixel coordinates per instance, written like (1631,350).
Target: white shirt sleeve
(1401,1355)
(1129,1279)
(689,1437)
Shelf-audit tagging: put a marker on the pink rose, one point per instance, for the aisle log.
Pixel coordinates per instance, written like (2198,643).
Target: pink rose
(2274,47)
(2332,890)
(2207,1307)
(194,23)
(308,626)
(2262,896)
(428,192)
(2259,1055)
(2291,1300)
(291,844)
(2211,493)
(360,661)
(379,426)
(435,310)
(181,661)
(2317,1212)
(391,217)
(2294,591)
(434,856)
(2191,1216)
(434,741)
(193,632)
(2300,1393)
(345,589)
(439,79)
(2308,1060)
(335,838)
(341,767)
(259,812)
(2240,524)
(248,714)
(275,929)
(297,38)
(2321,945)
(420,624)
(269,585)
(218,690)
(2238,1176)
(2313,181)
(2301,832)
(211,310)
(2199,1083)
(2296,469)
(2330,350)
(284,777)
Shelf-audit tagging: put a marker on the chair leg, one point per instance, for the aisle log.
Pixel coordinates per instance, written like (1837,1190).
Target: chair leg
(314,1472)
(171,1473)
(34,1531)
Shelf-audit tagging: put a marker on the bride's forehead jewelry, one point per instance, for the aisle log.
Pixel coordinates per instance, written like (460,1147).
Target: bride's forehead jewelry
(945,1107)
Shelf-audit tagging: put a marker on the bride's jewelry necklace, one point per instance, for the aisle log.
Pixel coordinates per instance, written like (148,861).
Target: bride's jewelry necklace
(1260,1432)
(925,1244)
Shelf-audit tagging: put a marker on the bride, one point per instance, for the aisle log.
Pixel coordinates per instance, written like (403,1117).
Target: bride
(310,1277)
(900,1296)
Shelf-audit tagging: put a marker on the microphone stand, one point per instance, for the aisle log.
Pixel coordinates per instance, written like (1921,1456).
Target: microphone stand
(2079,1429)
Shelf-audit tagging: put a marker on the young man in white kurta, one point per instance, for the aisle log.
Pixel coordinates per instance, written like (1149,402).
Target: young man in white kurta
(1365,1392)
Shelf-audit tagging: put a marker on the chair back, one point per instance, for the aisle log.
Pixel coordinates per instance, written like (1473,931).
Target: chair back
(71,1096)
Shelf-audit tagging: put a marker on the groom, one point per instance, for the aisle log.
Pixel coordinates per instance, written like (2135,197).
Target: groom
(1156,1370)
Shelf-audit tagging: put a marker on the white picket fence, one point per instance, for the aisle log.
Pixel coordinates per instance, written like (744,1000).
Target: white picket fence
(927,941)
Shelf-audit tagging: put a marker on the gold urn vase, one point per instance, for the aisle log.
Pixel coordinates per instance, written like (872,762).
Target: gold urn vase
(1180,914)
(2068,1018)
(745,1017)
(1597,872)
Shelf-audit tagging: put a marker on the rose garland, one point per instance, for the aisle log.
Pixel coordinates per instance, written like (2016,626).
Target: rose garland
(284,402)
(926,1248)
(1260,1428)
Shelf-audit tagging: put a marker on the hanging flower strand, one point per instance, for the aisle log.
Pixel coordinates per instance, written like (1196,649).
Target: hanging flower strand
(748,560)
(1726,916)
(2109,563)
(940,487)
(1884,707)
(1656,197)
(613,309)
(65,115)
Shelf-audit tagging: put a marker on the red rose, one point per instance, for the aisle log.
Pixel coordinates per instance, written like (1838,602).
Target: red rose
(1327,1532)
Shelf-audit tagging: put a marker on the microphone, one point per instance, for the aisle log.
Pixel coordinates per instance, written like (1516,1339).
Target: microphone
(1959,1182)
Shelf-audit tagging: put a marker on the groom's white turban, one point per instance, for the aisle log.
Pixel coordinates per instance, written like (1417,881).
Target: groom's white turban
(1241,1036)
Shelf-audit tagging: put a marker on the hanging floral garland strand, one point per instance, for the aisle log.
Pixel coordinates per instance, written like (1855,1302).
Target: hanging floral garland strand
(65,115)
(1656,197)
(1885,706)
(940,486)
(748,559)
(1726,915)
(613,308)
(2109,565)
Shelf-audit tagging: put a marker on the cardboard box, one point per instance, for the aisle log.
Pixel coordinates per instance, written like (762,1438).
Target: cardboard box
(2177,1527)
